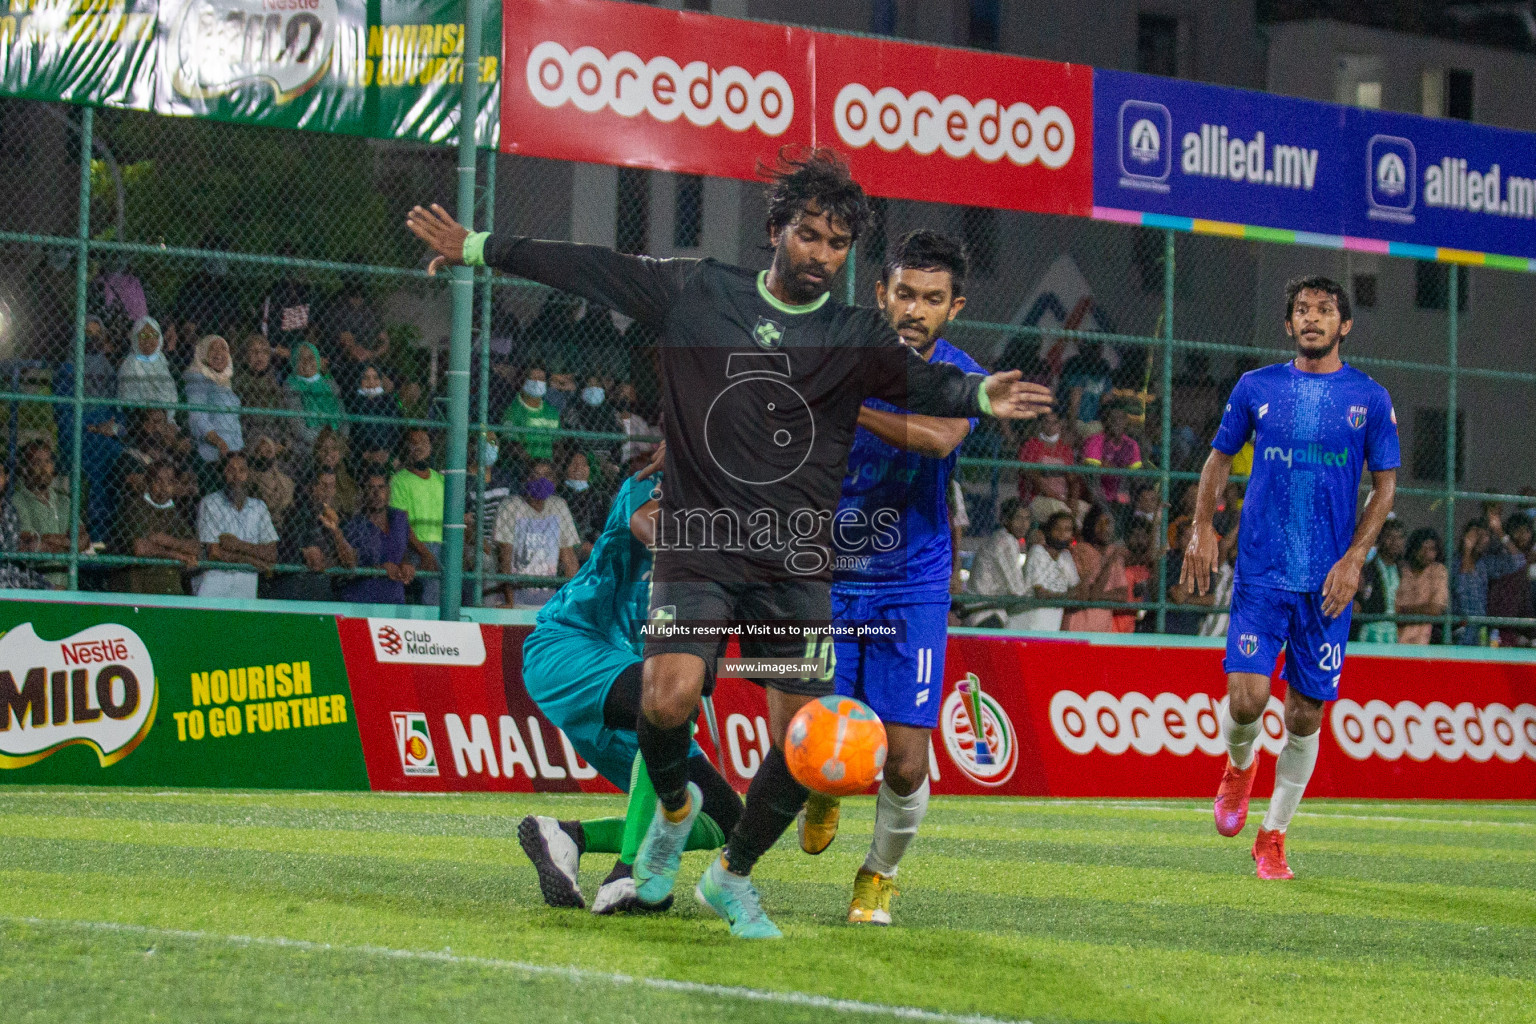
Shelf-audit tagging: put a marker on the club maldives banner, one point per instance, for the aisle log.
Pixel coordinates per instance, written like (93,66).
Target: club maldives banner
(1359,179)
(389,69)
(102,695)
(441,707)
(628,84)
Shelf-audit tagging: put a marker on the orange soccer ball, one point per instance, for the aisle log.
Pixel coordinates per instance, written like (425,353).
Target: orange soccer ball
(836,746)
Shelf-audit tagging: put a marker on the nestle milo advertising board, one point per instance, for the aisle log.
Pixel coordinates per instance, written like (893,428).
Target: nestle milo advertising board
(103,695)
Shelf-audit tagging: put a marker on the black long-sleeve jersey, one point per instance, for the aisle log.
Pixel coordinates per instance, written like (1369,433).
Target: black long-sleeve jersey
(760,401)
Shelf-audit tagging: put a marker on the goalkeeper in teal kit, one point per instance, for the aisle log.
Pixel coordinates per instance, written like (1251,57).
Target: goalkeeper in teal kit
(581,665)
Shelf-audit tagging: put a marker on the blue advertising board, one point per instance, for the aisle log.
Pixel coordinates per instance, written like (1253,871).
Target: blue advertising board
(1167,150)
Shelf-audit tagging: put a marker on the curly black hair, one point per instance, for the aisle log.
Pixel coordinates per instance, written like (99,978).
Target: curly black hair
(1317,283)
(929,250)
(805,176)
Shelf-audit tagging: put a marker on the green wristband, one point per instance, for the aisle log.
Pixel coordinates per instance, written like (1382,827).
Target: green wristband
(474,248)
(982,399)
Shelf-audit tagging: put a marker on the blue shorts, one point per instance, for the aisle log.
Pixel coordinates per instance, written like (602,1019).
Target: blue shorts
(568,674)
(902,680)
(1264,620)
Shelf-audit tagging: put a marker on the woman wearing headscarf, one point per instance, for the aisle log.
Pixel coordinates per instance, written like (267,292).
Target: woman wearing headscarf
(310,390)
(144,375)
(369,398)
(257,385)
(216,434)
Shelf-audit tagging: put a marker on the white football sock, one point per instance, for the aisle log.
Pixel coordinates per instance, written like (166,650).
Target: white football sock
(1292,770)
(1239,738)
(896,821)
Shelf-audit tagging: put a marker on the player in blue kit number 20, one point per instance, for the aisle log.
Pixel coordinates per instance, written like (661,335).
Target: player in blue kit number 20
(894,561)
(1316,425)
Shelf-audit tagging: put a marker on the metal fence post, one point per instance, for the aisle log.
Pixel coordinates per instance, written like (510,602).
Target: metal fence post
(1451,359)
(850,276)
(484,411)
(77,412)
(1165,459)
(459,342)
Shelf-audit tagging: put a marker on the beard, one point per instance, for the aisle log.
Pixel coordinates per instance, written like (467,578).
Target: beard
(802,288)
(1317,346)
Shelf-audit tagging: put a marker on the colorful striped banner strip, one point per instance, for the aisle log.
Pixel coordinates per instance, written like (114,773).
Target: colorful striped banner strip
(1252,232)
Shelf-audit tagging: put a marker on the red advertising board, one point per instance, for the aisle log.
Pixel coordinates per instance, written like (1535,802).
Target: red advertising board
(628,84)
(621,83)
(958,126)
(441,707)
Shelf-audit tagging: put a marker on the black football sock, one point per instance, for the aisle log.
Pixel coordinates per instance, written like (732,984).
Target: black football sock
(773,800)
(622,708)
(720,801)
(666,759)
(620,870)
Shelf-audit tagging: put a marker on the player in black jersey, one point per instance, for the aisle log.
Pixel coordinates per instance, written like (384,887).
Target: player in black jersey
(763,378)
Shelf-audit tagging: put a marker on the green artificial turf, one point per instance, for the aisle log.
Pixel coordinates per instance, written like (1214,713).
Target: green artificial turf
(137,905)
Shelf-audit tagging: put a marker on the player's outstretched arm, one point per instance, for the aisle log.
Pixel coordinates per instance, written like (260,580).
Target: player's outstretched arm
(637,286)
(1009,398)
(933,437)
(1344,578)
(1204,551)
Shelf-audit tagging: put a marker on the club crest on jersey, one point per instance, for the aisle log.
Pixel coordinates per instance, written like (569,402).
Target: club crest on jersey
(767,334)
(1248,644)
(1357,416)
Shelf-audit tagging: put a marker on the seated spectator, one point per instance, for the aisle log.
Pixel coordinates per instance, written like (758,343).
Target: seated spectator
(1195,409)
(412,402)
(101,450)
(330,456)
(1484,554)
(14,575)
(153,527)
(216,434)
(588,504)
(593,414)
(1046,493)
(1050,571)
(417,490)
(1086,381)
(315,539)
(380,537)
(996,568)
(1379,582)
(1423,587)
(354,335)
(1186,620)
(100,381)
(144,375)
(256,383)
(1113,448)
(269,482)
(1098,558)
(310,390)
(370,398)
(1509,596)
(562,388)
(499,482)
(42,510)
(151,438)
(1222,583)
(1140,567)
(625,403)
(1146,509)
(235,527)
(529,410)
(535,537)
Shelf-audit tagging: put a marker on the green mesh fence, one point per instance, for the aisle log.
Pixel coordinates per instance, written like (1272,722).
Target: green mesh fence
(291,247)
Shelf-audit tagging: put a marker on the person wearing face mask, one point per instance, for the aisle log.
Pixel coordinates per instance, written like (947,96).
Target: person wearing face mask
(588,504)
(144,375)
(530,411)
(269,482)
(371,398)
(235,527)
(488,470)
(310,389)
(535,536)
(591,412)
(151,526)
(216,434)
(1045,494)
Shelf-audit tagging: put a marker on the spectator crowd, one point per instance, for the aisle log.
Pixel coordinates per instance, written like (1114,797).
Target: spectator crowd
(308,468)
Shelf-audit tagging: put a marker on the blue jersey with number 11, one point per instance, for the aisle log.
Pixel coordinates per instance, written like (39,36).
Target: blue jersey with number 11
(1313,434)
(891,530)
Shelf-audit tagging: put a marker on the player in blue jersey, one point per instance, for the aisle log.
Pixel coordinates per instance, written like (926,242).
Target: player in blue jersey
(1316,424)
(894,561)
(581,666)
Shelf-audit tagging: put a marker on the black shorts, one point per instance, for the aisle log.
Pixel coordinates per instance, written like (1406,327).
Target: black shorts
(799,600)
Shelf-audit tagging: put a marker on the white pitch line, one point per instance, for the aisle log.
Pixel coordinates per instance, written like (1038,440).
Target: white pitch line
(577,974)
